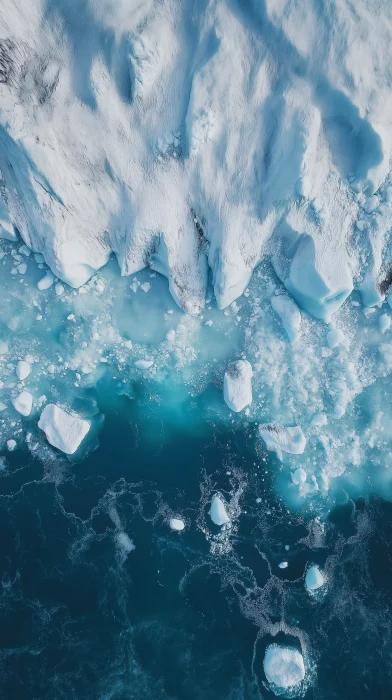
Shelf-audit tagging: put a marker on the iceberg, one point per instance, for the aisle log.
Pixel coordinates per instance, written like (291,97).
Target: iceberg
(314,578)
(176,524)
(283,666)
(237,388)
(218,512)
(62,429)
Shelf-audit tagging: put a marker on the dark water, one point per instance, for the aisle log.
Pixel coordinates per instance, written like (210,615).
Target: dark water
(174,618)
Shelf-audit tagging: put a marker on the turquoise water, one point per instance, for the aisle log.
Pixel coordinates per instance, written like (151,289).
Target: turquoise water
(181,616)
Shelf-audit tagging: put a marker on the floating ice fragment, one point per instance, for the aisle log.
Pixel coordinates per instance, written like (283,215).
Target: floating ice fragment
(314,578)
(59,288)
(39,258)
(283,439)
(146,286)
(3,347)
(11,444)
(22,268)
(335,337)
(384,322)
(23,370)
(63,430)
(176,524)
(289,314)
(298,476)
(45,282)
(218,512)
(23,403)
(237,390)
(283,666)
(2,406)
(25,250)
(143,364)
(283,565)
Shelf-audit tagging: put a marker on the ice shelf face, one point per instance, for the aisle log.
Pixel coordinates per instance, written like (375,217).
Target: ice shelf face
(198,140)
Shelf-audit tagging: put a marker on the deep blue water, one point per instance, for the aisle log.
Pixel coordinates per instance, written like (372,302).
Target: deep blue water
(173,619)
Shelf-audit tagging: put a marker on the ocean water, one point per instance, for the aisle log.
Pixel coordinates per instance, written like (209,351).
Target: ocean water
(87,612)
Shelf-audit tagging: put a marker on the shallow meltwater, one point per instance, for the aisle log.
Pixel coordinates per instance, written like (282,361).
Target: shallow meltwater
(191,507)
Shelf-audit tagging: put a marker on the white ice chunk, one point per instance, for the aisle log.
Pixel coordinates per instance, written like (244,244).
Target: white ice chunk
(143,364)
(23,403)
(11,444)
(289,314)
(218,512)
(237,390)
(283,565)
(314,578)
(290,439)
(63,430)
(22,268)
(25,250)
(23,370)
(384,322)
(3,347)
(176,524)
(298,476)
(45,282)
(59,288)
(283,666)
(335,337)
(2,406)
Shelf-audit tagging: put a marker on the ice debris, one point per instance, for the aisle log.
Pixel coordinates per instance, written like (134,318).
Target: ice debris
(289,314)
(237,390)
(45,282)
(335,337)
(63,430)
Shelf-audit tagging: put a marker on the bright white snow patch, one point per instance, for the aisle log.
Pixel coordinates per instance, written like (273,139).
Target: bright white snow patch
(237,388)
(218,512)
(23,403)
(23,370)
(176,524)
(62,429)
(283,439)
(314,578)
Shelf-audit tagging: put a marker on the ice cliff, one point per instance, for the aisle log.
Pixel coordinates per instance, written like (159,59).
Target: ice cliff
(198,138)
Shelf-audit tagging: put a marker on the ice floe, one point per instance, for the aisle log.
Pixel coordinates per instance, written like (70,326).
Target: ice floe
(283,666)
(62,429)
(314,578)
